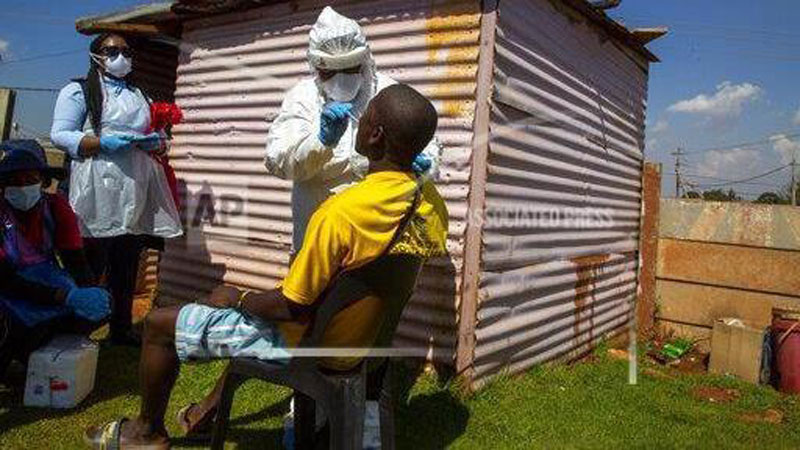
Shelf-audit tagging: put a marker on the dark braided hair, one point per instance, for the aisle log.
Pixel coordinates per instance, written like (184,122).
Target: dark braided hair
(94,88)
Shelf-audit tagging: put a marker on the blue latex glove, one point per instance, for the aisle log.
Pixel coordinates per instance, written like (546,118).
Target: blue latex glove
(148,143)
(114,143)
(333,122)
(93,304)
(422,163)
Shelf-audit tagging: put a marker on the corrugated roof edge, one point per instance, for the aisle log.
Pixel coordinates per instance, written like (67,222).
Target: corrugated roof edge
(148,14)
(165,11)
(615,28)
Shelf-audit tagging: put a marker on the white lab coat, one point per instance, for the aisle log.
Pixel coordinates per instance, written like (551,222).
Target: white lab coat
(124,192)
(294,152)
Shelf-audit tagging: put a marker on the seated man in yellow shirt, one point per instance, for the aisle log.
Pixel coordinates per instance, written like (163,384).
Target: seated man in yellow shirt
(347,231)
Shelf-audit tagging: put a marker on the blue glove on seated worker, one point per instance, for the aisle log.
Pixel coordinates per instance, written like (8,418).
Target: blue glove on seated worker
(113,143)
(92,304)
(148,143)
(333,122)
(422,163)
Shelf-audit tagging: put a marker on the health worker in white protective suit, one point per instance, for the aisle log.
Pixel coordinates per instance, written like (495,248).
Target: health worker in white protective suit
(312,140)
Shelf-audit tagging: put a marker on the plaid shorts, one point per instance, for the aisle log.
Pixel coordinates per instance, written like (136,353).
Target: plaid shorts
(203,332)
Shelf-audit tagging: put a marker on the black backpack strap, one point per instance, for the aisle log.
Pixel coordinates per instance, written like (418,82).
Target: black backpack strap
(89,109)
(409,214)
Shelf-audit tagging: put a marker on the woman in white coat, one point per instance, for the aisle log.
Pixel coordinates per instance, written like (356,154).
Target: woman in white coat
(119,192)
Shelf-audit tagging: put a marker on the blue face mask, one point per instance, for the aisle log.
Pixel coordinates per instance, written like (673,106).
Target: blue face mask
(23,198)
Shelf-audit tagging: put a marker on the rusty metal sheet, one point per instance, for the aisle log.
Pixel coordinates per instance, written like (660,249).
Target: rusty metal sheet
(563,195)
(751,268)
(232,75)
(769,226)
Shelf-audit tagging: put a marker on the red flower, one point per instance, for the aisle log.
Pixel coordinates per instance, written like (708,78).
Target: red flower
(163,114)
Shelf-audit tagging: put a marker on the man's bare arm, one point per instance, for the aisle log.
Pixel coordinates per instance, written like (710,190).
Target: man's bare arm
(271,305)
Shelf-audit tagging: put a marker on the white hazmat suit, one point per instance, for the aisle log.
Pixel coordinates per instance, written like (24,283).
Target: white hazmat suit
(294,149)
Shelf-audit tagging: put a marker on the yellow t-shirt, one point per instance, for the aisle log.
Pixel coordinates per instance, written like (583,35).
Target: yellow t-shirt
(351,229)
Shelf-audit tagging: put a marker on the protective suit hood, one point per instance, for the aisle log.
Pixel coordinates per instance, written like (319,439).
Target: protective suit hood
(337,42)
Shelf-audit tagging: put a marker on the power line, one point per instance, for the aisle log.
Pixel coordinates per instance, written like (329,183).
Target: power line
(708,177)
(744,144)
(30,131)
(777,169)
(30,89)
(39,57)
(46,18)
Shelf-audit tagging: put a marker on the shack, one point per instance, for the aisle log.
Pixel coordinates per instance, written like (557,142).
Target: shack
(542,115)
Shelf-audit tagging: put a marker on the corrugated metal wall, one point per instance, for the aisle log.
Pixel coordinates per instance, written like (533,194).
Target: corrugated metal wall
(567,134)
(233,72)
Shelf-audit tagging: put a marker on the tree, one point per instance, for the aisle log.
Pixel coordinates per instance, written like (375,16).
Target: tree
(718,195)
(692,194)
(772,198)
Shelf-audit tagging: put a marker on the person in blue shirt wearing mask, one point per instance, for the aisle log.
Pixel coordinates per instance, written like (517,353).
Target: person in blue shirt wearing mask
(47,285)
(118,191)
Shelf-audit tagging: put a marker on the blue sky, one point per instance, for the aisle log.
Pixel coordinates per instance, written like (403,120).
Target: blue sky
(729,76)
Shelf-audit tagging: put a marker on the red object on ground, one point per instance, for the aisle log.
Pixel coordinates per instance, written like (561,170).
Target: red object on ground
(788,354)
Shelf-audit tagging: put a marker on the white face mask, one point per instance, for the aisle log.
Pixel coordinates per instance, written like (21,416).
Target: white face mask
(23,198)
(119,67)
(342,87)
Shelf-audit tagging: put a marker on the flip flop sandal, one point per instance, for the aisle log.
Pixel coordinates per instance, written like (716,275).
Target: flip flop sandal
(106,437)
(201,430)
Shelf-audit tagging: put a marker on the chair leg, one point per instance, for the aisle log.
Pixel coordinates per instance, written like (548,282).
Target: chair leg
(386,406)
(232,382)
(346,415)
(304,421)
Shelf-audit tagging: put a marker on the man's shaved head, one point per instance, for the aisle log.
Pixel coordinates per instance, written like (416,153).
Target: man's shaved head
(407,120)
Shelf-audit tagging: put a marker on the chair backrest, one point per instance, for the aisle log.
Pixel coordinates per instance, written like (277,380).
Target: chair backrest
(390,277)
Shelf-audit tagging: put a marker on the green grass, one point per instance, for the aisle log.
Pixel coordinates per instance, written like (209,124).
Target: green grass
(587,405)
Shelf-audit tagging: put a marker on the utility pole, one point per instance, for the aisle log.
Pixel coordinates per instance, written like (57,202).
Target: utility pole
(794,183)
(7,97)
(677,153)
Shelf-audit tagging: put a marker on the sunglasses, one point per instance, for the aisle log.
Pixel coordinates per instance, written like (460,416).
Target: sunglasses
(325,74)
(113,51)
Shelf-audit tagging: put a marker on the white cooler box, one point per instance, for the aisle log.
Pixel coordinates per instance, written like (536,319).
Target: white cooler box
(61,374)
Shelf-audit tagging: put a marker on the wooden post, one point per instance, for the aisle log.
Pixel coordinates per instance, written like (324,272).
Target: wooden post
(468,305)
(648,248)
(7,97)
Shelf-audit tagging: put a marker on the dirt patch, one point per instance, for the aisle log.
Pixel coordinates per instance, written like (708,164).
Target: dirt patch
(715,394)
(616,353)
(649,371)
(768,416)
(693,362)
